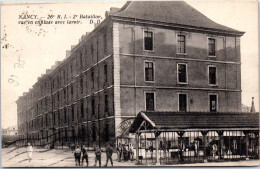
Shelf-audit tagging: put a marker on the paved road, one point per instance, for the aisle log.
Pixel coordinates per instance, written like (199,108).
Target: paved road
(64,158)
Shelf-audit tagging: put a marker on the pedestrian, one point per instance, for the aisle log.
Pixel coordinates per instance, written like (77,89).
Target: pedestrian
(131,150)
(119,152)
(84,155)
(98,156)
(109,153)
(77,155)
(29,151)
(125,152)
(196,149)
(214,150)
(181,148)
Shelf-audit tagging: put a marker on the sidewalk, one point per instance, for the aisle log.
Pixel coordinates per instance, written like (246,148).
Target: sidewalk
(65,158)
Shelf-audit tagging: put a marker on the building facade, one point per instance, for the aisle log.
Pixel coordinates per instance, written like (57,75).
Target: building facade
(146,56)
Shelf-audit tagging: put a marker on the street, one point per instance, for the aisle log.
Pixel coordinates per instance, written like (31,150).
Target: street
(12,157)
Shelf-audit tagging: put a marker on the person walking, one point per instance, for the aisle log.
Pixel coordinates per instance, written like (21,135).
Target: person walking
(77,155)
(119,152)
(98,156)
(84,155)
(29,151)
(109,153)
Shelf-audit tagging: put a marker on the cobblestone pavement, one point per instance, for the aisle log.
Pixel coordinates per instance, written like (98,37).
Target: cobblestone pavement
(12,157)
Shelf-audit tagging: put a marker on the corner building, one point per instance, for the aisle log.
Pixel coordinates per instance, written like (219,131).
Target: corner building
(146,56)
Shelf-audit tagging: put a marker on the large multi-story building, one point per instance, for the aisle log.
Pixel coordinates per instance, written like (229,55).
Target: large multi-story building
(146,56)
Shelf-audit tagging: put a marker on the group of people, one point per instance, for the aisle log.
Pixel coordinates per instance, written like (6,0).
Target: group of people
(125,152)
(83,151)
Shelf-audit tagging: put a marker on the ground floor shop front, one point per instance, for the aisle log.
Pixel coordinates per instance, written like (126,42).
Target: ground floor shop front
(172,137)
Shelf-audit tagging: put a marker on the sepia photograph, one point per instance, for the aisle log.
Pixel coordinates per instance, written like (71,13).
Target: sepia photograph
(129,83)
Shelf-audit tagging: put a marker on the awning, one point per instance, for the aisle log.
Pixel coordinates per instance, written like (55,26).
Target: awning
(194,121)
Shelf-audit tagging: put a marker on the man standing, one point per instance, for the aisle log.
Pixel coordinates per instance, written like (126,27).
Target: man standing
(214,150)
(85,155)
(109,153)
(119,152)
(98,156)
(77,155)
(29,151)
(131,151)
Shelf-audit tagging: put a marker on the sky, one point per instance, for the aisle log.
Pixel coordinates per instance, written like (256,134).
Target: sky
(27,50)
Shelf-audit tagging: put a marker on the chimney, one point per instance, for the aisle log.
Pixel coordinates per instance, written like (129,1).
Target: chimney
(113,10)
(82,37)
(67,53)
(95,25)
(107,14)
(57,63)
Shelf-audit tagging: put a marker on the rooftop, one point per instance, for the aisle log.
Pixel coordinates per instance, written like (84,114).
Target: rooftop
(197,120)
(174,12)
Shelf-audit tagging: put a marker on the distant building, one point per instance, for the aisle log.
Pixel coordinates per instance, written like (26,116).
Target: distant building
(146,56)
(245,108)
(10,131)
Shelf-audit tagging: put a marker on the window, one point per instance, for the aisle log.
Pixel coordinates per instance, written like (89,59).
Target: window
(58,97)
(182,102)
(93,133)
(213,102)
(212,47)
(81,60)
(182,73)
(92,52)
(82,108)
(71,70)
(148,40)
(149,71)
(67,77)
(212,75)
(149,98)
(105,43)
(53,117)
(41,121)
(106,132)
(106,103)
(181,44)
(92,79)
(46,104)
(81,84)
(65,115)
(59,117)
(71,87)
(65,95)
(105,73)
(72,113)
(93,106)
(46,120)
(64,76)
